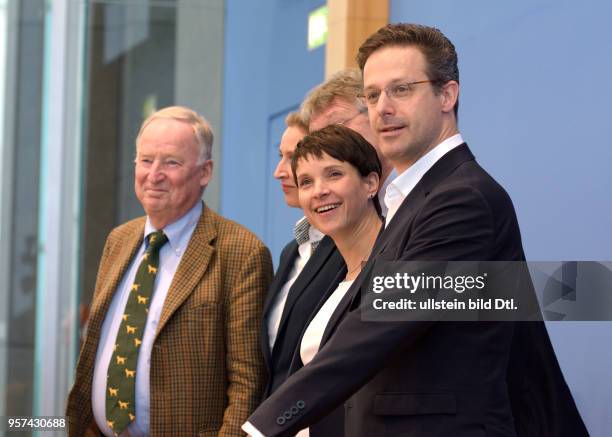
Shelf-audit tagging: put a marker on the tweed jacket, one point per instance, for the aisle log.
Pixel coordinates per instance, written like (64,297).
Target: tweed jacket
(206,373)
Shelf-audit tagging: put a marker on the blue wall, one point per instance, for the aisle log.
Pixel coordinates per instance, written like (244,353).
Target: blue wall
(268,70)
(534,109)
(535,96)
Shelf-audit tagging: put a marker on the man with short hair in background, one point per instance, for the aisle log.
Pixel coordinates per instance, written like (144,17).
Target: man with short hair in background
(339,100)
(172,346)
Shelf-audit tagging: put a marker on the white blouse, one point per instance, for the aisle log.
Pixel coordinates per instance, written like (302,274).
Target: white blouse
(314,333)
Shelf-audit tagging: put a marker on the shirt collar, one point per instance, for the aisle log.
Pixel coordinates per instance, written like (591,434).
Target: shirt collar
(178,232)
(405,182)
(383,189)
(314,236)
(313,233)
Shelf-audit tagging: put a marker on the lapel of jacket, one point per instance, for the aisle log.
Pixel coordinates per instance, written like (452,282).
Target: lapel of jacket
(344,303)
(193,264)
(399,225)
(116,263)
(317,260)
(296,360)
(284,268)
(412,204)
(119,259)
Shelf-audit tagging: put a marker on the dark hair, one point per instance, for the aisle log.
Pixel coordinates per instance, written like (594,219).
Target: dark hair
(439,52)
(343,144)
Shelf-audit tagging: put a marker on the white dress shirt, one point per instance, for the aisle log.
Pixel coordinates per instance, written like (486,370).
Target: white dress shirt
(402,185)
(304,252)
(383,189)
(179,234)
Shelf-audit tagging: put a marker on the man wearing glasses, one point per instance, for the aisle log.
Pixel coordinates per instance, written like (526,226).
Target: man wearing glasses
(428,378)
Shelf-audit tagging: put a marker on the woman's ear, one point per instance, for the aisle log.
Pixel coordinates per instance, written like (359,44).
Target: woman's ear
(372,182)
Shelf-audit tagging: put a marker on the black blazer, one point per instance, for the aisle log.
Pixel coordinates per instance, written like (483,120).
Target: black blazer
(303,297)
(332,424)
(421,378)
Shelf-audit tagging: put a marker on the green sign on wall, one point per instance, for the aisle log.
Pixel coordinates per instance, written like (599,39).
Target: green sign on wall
(317,28)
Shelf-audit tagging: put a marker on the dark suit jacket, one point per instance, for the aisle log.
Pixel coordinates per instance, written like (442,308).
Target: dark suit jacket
(418,378)
(305,293)
(542,403)
(206,368)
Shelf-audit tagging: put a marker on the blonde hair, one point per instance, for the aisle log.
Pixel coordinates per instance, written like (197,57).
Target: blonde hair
(346,85)
(295,119)
(202,132)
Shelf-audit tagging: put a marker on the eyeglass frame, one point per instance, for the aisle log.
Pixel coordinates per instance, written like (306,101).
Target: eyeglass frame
(363,110)
(388,90)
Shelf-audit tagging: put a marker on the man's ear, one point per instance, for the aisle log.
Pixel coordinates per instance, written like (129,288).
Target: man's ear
(449,93)
(206,169)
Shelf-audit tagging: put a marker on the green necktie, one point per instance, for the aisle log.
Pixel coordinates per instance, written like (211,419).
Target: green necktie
(120,389)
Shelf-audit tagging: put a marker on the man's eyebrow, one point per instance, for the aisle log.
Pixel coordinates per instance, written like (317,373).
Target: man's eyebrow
(391,82)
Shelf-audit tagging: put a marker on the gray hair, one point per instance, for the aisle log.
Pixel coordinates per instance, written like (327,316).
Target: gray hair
(346,85)
(202,132)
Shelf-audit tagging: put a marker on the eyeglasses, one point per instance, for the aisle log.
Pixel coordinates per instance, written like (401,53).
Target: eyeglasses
(348,120)
(397,91)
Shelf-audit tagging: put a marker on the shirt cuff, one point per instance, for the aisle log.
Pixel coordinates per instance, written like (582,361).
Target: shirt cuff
(251,430)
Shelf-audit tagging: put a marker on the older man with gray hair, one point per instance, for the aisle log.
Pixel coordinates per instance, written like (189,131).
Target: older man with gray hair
(172,347)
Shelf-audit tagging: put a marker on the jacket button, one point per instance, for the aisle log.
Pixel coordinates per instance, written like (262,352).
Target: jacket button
(287,415)
(294,410)
(280,420)
(300,404)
